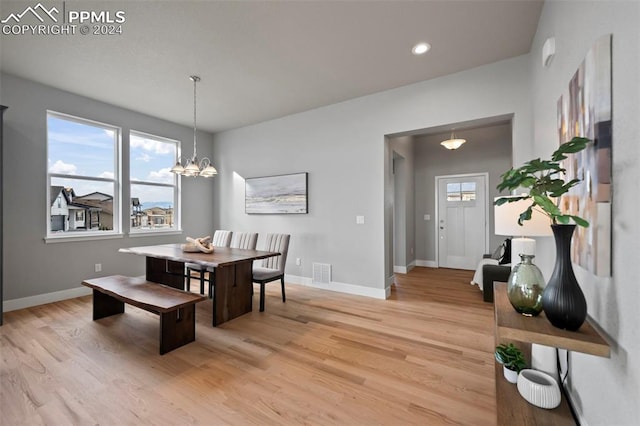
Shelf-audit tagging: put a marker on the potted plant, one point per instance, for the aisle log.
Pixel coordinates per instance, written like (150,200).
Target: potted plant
(512,360)
(563,301)
(543,180)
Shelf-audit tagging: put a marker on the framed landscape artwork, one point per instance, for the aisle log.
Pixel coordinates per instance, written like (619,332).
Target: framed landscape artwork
(283,194)
(585,110)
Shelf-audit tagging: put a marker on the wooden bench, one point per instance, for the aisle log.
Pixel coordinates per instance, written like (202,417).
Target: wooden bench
(175,307)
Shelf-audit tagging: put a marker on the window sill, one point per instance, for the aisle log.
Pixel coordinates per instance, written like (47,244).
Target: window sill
(74,238)
(136,234)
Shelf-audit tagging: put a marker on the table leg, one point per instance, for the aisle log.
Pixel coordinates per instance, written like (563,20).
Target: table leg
(177,328)
(167,272)
(232,292)
(105,305)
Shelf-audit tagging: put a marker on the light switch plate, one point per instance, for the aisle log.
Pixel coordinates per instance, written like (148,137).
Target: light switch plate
(427,217)
(360,220)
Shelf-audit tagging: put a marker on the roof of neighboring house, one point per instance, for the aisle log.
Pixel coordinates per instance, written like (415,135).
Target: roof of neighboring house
(87,207)
(106,206)
(99,196)
(54,191)
(157,210)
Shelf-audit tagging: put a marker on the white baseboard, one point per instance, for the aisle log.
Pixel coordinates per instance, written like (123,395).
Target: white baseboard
(56,296)
(376,293)
(41,299)
(390,281)
(399,269)
(404,269)
(427,263)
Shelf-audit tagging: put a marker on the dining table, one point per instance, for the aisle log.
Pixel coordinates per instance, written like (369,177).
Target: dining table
(231,270)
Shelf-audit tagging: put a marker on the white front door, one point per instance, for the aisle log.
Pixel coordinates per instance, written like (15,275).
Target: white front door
(462,211)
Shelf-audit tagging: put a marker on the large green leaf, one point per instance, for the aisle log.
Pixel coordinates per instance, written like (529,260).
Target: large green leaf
(503,200)
(525,215)
(576,144)
(547,205)
(580,221)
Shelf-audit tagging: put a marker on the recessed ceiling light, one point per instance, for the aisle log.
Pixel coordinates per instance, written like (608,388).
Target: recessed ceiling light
(421,48)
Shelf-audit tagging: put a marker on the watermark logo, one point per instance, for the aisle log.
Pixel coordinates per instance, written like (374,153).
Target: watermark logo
(16,17)
(58,20)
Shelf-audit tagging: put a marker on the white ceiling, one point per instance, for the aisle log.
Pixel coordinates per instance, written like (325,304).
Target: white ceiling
(268,59)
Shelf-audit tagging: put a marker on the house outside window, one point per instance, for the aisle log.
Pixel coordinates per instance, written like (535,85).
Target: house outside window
(155,191)
(83,177)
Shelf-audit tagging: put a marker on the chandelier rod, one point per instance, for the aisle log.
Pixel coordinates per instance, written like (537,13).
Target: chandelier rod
(195,79)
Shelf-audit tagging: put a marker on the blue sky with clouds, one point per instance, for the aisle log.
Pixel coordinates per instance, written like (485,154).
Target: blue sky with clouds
(81,149)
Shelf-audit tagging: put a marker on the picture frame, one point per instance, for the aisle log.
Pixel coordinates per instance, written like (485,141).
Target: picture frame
(278,194)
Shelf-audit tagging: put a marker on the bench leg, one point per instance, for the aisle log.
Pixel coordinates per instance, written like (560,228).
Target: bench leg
(177,328)
(105,305)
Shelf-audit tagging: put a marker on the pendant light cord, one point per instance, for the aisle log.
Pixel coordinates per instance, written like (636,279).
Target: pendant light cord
(195,80)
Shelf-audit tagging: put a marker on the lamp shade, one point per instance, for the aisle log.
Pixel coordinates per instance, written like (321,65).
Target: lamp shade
(506,220)
(453,143)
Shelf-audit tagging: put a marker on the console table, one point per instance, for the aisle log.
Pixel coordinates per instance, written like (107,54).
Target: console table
(512,327)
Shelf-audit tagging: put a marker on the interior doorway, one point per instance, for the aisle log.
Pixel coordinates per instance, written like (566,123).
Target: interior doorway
(462,225)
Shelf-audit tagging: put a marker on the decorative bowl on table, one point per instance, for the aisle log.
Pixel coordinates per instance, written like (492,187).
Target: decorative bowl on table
(539,388)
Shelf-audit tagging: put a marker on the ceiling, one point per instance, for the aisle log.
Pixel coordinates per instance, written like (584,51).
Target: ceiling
(266,59)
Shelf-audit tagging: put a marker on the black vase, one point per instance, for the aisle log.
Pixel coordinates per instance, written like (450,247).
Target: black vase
(563,301)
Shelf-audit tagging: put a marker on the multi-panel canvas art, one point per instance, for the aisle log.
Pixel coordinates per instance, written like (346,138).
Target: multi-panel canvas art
(585,110)
(283,194)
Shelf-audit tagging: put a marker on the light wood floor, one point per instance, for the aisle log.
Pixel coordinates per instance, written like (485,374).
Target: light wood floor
(424,356)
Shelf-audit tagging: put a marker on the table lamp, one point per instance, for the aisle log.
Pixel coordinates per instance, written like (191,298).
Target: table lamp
(506,223)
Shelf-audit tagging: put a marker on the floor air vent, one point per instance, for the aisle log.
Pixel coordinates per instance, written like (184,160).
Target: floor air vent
(321,273)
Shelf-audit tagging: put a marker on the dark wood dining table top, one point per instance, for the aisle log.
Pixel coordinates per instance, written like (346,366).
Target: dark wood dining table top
(221,256)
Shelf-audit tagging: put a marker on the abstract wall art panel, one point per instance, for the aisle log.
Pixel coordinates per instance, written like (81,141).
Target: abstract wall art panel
(585,110)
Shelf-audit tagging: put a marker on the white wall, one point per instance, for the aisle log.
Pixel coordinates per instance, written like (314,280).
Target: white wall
(342,147)
(32,269)
(605,391)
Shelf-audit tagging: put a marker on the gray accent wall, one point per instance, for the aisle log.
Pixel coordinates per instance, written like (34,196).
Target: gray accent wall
(605,391)
(34,268)
(488,150)
(342,147)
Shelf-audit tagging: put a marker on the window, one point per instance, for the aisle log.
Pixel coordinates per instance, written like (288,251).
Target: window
(83,171)
(155,192)
(461,191)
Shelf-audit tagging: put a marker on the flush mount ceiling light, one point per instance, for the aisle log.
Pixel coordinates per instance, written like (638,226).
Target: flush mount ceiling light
(421,48)
(193,167)
(452,142)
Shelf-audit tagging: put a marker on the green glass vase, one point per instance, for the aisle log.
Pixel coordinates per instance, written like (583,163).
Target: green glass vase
(526,286)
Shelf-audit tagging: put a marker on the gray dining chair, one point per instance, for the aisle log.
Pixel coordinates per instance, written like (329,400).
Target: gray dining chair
(241,240)
(244,240)
(220,239)
(272,268)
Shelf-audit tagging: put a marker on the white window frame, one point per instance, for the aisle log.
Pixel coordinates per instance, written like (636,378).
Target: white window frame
(177,205)
(117,183)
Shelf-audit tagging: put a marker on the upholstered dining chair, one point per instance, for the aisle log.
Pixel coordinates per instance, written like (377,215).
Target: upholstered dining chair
(272,268)
(220,239)
(244,240)
(241,240)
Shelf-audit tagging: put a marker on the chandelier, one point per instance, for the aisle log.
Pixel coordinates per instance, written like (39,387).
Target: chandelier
(193,167)
(452,142)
